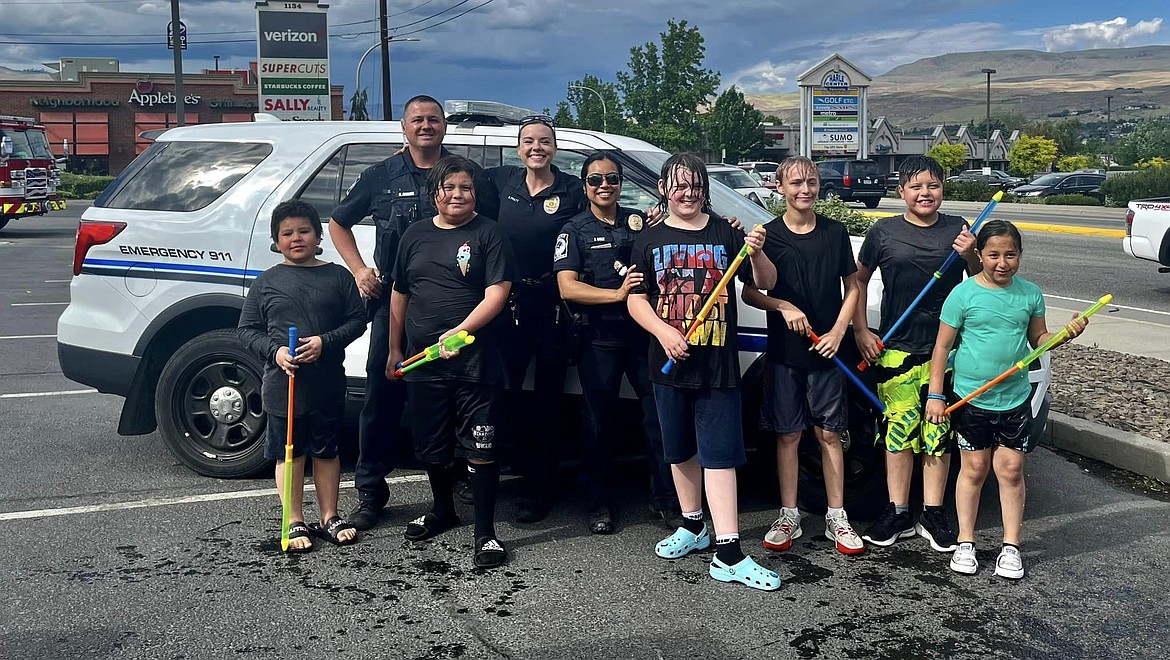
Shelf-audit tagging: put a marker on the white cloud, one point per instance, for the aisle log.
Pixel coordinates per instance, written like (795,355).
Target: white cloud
(764,77)
(1103,34)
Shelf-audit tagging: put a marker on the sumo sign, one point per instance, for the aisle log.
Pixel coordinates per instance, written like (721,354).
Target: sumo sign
(293,67)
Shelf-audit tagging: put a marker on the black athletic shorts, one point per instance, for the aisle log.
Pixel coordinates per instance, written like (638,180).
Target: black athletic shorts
(317,430)
(797,398)
(453,418)
(976,428)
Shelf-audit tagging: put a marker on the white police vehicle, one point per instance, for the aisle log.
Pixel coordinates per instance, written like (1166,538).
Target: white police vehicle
(165,255)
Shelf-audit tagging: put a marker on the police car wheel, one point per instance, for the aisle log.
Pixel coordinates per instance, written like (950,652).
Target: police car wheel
(865,467)
(209,409)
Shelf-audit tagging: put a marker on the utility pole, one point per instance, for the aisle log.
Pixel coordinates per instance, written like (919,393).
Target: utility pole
(987,147)
(1108,107)
(176,44)
(383,31)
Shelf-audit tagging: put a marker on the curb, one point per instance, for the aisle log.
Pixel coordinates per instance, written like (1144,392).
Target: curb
(1047,227)
(1122,449)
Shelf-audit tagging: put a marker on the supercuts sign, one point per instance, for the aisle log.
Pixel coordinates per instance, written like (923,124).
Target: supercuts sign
(293,49)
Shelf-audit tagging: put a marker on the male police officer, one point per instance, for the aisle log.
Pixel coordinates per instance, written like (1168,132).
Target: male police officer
(394,193)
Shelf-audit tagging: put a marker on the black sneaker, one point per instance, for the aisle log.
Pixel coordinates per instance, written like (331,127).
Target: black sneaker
(934,527)
(889,527)
(671,517)
(532,510)
(365,516)
(462,491)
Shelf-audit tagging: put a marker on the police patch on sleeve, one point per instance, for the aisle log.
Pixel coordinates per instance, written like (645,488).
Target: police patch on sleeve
(562,249)
(552,204)
(635,222)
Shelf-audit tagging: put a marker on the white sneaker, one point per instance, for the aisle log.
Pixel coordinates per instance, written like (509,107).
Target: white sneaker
(963,560)
(784,531)
(1010,564)
(840,531)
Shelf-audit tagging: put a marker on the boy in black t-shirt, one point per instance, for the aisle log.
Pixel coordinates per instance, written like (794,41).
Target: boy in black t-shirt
(802,387)
(453,274)
(322,301)
(683,258)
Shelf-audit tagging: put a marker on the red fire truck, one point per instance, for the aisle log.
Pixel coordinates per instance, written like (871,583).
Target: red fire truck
(29,175)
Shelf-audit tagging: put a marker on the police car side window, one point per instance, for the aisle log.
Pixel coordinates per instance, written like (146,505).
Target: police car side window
(323,191)
(186,176)
(358,158)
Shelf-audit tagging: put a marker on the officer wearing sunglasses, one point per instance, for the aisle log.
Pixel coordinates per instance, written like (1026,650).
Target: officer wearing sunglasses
(535,201)
(592,263)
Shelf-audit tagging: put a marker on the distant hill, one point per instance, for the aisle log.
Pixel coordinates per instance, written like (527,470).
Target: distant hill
(950,89)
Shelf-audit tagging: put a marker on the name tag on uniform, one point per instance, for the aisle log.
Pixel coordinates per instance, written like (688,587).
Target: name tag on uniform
(513,199)
(598,239)
(406,193)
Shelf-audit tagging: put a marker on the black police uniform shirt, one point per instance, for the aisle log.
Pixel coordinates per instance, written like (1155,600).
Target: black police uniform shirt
(320,301)
(682,268)
(531,224)
(809,268)
(394,193)
(445,272)
(600,254)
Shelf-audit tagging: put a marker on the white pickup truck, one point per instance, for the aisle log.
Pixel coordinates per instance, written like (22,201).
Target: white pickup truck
(1147,231)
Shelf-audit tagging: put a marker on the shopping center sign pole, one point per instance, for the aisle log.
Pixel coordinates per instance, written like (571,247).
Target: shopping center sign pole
(176,45)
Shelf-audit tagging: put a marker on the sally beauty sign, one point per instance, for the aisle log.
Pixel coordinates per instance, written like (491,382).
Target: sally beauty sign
(293,63)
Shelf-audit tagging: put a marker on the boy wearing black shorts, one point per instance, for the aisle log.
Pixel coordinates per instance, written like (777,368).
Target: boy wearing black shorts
(453,274)
(322,301)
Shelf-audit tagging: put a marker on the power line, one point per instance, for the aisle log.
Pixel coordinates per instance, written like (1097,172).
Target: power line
(434,15)
(448,20)
(399,13)
(72,2)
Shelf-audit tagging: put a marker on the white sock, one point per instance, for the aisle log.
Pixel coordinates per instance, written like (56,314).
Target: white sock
(693,515)
(791,513)
(835,513)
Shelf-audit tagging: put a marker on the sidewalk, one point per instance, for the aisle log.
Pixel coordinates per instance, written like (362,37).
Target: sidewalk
(1114,333)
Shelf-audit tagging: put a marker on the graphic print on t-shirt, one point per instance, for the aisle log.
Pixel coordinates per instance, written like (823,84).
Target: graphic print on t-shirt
(463,258)
(687,273)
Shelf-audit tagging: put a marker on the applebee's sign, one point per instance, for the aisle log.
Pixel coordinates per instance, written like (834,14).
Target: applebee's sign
(144,95)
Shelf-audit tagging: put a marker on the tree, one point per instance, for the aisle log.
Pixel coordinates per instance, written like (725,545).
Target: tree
(1149,139)
(357,107)
(1031,154)
(733,126)
(564,116)
(1067,134)
(950,156)
(592,114)
(663,89)
(1078,162)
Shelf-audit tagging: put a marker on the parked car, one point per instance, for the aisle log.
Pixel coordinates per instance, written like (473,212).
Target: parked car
(891,180)
(997,178)
(1147,231)
(852,181)
(764,168)
(1063,183)
(741,182)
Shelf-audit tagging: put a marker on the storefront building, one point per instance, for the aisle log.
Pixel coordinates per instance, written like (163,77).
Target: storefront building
(96,121)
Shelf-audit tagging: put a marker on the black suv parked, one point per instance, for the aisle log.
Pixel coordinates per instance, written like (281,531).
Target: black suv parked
(852,181)
(1063,183)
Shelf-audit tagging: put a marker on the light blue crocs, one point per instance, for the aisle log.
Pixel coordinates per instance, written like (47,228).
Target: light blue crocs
(682,543)
(746,571)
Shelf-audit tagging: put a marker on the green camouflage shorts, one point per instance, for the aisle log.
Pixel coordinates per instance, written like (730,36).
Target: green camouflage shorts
(903,380)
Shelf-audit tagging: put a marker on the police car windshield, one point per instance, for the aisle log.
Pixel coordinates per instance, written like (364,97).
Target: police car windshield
(725,201)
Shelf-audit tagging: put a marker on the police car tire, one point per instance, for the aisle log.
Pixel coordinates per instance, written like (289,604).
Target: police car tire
(865,474)
(197,370)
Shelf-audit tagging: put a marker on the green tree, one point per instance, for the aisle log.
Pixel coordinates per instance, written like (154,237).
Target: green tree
(950,156)
(664,87)
(733,126)
(357,107)
(1031,154)
(1078,162)
(592,114)
(1068,135)
(564,116)
(1149,139)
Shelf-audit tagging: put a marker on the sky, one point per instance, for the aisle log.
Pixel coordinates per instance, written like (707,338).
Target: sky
(524,52)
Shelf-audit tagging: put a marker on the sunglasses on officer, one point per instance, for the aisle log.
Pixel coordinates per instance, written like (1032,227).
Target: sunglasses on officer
(594,180)
(537,119)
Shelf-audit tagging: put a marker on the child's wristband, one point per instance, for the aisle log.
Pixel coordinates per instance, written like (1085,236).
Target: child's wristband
(935,396)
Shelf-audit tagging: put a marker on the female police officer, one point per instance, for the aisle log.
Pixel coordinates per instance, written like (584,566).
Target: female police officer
(592,265)
(535,201)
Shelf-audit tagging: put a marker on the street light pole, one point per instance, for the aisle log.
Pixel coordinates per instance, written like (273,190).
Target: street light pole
(387,109)
(1108,107)
(176,44)
(216,57)
(987,145)
(386,78)
(604,121)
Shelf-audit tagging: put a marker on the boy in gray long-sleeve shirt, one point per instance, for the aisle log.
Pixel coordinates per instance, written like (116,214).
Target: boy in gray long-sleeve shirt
(322,301)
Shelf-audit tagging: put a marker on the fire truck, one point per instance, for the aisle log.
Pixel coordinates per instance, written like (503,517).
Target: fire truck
(29,175)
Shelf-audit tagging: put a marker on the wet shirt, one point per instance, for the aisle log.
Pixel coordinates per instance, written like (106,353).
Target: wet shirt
(601,254)
(908,256)
(809,268)
(445,272)
(531,223)
(682,268)
(394,193)
(318,300)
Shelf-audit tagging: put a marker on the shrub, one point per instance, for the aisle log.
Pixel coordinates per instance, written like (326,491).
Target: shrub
(969,191)
(82,186)
(1072,200)
(1122,189)
(855,221)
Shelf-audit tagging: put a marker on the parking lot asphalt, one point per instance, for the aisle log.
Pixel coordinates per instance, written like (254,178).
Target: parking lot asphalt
(114,550)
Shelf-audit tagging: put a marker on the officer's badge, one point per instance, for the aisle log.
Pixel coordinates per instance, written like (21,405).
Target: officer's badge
(635,222)
(562,248)
(463,258)
(552,204)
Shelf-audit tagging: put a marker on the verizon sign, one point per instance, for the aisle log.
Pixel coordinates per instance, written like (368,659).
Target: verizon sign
(293,63)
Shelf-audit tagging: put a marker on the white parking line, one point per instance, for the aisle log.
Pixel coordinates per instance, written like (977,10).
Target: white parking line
(1090,302)
(30,395)
(29,337)
(38,304)
(57,281)
(168,501)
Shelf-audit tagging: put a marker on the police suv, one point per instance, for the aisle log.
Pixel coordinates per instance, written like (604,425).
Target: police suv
(166,254)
